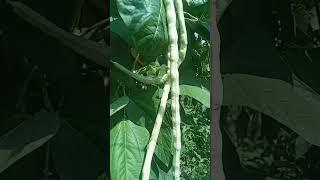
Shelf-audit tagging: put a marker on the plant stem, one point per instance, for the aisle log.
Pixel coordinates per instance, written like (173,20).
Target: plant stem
(102,23)
(140,78)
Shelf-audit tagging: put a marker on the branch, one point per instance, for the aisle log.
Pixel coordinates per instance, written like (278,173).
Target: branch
(89,49)
(140,78)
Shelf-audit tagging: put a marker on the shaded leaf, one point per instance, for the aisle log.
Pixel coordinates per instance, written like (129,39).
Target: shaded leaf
(118,27)
(75,156)
(163,147)
(301,147)
(199,93)
(118,105)
(26,137)
(293,106)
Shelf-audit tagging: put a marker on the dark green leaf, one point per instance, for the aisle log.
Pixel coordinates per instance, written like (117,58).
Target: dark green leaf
(75,156)
(26,137)
(293,106)
(163,148)
(118,105)
(118,27)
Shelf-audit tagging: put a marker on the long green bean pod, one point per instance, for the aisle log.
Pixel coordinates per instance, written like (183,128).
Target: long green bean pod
(176,55)
(175,89)
(155,132)
(156,129)
(183,40)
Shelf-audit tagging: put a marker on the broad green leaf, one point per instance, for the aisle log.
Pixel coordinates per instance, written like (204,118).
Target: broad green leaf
(292,105)
(70,149)
(127,150)
(27,137)
(118,104)
(146,23)
(199,93)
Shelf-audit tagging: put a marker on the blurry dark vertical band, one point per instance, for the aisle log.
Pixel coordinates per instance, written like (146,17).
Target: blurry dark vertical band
(108,174)
(216,86)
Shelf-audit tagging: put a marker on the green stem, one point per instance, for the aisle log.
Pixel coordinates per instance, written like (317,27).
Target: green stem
(140,78)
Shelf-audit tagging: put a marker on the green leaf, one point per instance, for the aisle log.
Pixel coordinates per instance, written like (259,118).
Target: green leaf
(165,176)
(147,25)
(163,147)
(27,137)
(144,100)
(70,149)
(136,114)
(118,105)
(118,27)
(292,105)
(198,93)
(127,150)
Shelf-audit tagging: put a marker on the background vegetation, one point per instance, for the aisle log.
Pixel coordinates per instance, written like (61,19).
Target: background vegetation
(271,89)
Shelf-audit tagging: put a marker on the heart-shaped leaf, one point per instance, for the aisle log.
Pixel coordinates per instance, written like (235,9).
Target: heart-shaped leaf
(127,150)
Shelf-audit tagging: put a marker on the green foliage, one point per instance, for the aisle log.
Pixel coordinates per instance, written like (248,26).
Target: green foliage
(52,143)
(27,137)
(281,84)
(139,42)
(293,105)
(146,23)
(118,105)
(196,136)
